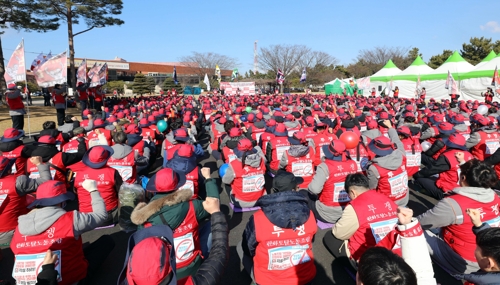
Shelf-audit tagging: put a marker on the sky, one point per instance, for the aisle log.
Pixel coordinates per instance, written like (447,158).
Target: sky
(164,31)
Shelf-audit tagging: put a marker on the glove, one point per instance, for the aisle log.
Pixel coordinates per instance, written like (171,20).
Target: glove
(198,150)
(90,185)
(417,175)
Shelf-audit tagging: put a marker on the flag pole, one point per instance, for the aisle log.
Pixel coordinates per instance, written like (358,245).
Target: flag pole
(26,88)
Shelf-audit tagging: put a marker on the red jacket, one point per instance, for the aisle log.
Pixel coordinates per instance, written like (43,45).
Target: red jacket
(15,103)
(448,180)
(11,204)
(19,167)
(283,256)
(248,183)
(487,146)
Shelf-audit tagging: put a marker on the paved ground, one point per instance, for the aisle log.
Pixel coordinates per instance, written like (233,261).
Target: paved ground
(328,270)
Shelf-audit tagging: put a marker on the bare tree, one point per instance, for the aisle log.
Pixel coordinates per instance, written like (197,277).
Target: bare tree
(204,63)
(317,58)
(284,57)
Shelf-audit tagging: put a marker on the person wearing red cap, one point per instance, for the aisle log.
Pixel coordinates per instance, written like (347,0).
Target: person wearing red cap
(52,227)
(108,181)
(446,165)
(174,206)
(72,145)
(413,149)
(458,120)
(59,97)
(267,135)
(368,217)
(454,247)
(150,256)
(484,138)
(277,146)
(387,170)
(291,124)
(276,246)
(309,127)
(229,143)
(126,158)
(255,126)
(299,159)
(100,95)
(184,162)
(326,194)
(13,147)
(14,100)
(58,161)
(322,138)
(99,127)
(244,178)
(13,193)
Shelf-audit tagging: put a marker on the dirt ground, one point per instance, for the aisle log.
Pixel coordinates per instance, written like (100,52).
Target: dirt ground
(38,115)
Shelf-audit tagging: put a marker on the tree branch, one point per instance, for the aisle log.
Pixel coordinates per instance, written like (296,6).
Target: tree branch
(84,31)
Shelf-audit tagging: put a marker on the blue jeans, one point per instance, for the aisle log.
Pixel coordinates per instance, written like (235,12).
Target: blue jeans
(205,237)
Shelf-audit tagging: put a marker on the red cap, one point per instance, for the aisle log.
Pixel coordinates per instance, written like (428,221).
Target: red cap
(149,262)
(133,129)
(271,123)
(181,135)
(383,116)
(404,130)
(47,140)
(235,132)
(298,138)
(372,125)
(245,145)
(185,150)
(310,121)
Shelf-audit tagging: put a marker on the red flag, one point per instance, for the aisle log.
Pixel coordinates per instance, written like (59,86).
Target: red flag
(93,70)
(81,73)
(53,71)
(15,70)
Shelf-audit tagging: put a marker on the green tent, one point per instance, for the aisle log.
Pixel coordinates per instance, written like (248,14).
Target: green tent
(335,87)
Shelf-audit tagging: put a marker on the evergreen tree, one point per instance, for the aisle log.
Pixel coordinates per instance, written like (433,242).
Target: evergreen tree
(140,84)
(169,84)
(151,84)
(439,59)
(476,50)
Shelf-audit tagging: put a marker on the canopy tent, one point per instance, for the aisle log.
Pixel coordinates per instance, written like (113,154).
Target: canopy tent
(476,81)
(337,86)
(406,79)
(455,64)
(386,73)
(489,57)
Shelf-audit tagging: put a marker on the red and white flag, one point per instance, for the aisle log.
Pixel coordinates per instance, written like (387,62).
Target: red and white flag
(53,71)
(81,73)
(101,77)
(36,62)
(496,81)
(451,84)
(93,71)
(15,70)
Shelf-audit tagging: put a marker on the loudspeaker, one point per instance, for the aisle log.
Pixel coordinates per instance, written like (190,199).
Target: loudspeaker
(379,88)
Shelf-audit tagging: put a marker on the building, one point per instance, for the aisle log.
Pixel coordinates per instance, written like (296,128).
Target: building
(187,73)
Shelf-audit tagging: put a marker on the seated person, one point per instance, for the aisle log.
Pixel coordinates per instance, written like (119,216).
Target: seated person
(454,245)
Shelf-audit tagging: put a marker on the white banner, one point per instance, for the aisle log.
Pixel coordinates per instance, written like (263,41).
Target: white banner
(53,71)
(238,88)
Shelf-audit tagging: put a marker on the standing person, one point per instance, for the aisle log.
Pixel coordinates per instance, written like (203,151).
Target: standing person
(59,97)
(99,98)
(396,92)
(423,93)
(488,95)
(27,93)
(83,95)
(46,97)
(14,100)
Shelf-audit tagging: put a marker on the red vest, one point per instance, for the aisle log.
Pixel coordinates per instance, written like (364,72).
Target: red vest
(413,151)
(309,132)
(319,141)
(186,241)
(11,204)
(83,94)
(58,98)
(302,167)
(448,180)
(280,146)
(283,256)
(72,146)
(294,129)
(215,144)
(333,193)
(171,149)
(192,182)
(393,183)
(460,237)
(19,167)
(105,178)
(228,154)
(125,166)
(60,239)
(377,216)
(56,174)
(265,138)
(248,183)
(139,148)
(256,132)
(14,104)
(93,137)
(359,155)
(487,146)
(466,133)
(148,133)
(384,131)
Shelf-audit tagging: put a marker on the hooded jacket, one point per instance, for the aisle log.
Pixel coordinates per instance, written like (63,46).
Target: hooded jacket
(284,209)
(295,151)
(475,137)
(47,151)
(39,220)
(122,150)
(10,146)
(292,124)
(371,134)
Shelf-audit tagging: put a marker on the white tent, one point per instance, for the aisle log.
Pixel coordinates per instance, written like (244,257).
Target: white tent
(434,82)
(476,81)
(407,79)
(489,57)
(380,79)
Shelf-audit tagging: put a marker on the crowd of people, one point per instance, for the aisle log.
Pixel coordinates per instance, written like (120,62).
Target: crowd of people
(294,161)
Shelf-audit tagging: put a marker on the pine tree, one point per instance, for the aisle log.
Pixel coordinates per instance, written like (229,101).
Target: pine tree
(169,84)
(140,84)
(151,84)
